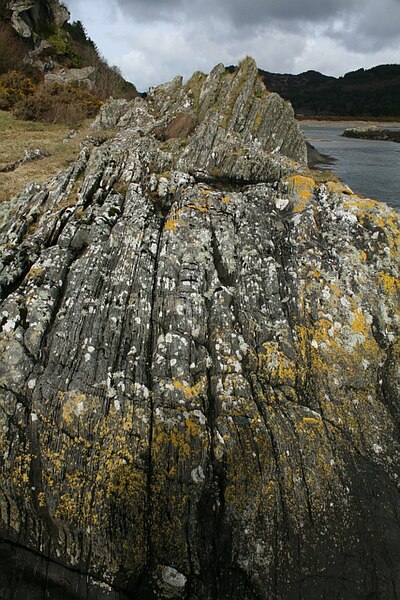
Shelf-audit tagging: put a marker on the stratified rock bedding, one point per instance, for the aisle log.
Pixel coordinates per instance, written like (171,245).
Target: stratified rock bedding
(199,364)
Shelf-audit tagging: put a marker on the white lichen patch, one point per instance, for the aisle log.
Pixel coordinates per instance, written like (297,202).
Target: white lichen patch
(173,578)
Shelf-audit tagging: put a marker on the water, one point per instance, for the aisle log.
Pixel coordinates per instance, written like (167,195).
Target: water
(370,168)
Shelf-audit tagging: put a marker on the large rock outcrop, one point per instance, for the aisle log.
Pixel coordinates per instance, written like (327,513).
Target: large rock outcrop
(199,364)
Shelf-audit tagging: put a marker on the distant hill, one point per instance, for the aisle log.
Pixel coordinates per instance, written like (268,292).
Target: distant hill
(364,93)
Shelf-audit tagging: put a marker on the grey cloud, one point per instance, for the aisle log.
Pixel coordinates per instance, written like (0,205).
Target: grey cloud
(239,12)
(373,28)
(372,24)
(369,24)
(152,40)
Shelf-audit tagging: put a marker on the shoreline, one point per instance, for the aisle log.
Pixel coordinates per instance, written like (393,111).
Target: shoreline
(342,122)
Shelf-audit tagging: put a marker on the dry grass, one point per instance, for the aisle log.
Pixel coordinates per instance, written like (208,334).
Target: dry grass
(16,136)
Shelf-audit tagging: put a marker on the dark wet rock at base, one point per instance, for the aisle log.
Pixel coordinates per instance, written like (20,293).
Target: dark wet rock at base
(199,364)
(314,157)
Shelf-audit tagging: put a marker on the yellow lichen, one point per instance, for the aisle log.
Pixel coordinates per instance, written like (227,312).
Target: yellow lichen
(202,204)
(312,421)
(338,188)
(302,188)
(190,392)
(35,272)
(390,284)
(173,224)
(359,324)
(72,405)
(275,366)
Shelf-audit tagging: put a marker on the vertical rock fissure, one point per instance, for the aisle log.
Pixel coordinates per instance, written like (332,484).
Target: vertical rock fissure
(13,286)
(217,483)
(302,468)
(150,387)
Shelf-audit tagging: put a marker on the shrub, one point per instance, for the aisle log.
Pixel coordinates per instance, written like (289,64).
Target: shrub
(12,48)
(56,103)
(109,82)
(14,87)
(62,47)
(78,33)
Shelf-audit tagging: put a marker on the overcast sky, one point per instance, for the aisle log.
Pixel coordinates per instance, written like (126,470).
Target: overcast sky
(151,41)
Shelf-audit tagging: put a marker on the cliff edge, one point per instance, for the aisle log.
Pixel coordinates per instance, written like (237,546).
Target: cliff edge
(199,376)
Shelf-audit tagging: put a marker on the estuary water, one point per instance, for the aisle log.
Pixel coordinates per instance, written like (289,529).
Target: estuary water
(370,168)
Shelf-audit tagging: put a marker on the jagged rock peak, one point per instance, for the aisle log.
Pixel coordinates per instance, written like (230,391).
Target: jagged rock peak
(199,364)
(30,17)
(229,122)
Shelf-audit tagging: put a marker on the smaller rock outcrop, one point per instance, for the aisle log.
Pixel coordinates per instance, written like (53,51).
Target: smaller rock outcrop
(373,133)
(30,155)
(49,45)
(85,76)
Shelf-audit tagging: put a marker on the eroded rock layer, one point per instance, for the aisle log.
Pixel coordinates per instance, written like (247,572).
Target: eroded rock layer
(199,364)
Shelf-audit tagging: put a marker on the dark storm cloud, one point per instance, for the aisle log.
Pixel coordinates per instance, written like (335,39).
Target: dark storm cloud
(238,12)
(370,26)
(365,24)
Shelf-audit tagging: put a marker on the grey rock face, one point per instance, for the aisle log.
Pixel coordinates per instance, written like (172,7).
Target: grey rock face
(29,16)
(199,369)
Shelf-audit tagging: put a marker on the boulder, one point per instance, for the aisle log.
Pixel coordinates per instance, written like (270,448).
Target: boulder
(199,364)
(84,77)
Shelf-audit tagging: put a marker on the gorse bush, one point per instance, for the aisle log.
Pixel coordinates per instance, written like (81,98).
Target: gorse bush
(56,103)
(47,102)
(14,87)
